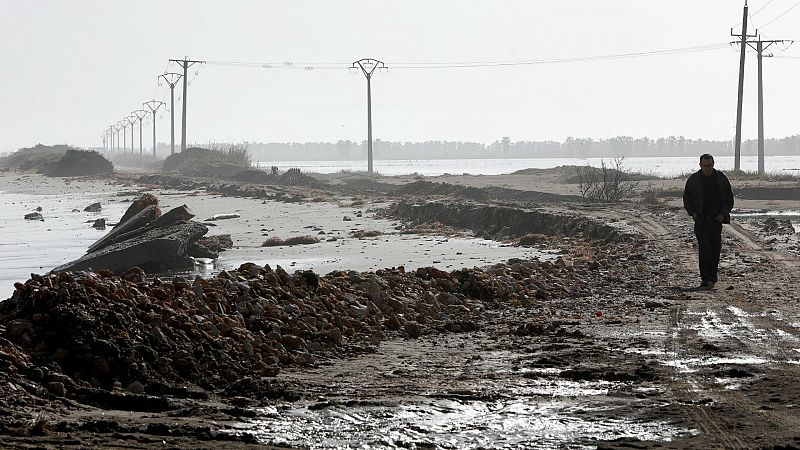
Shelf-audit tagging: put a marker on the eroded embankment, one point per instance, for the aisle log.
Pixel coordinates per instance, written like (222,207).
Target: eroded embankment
(495,222)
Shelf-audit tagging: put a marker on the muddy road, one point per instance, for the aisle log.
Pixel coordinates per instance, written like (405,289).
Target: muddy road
(645,361)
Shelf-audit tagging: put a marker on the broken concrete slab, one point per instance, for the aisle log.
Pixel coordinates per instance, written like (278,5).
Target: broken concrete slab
(157,250)
(139,220)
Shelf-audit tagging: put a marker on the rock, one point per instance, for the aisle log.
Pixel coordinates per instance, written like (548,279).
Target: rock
(136,388)
(347,219)
(134,275)
(34,216)
(293,342)
(94,207)
(412,330)
(100,224)
(57,388)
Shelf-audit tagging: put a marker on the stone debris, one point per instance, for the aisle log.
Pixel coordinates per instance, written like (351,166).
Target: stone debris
(89,329)
(100,224)
(34,216)
(94,207)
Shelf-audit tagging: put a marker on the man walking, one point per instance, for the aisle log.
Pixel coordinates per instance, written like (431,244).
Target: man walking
(708,198)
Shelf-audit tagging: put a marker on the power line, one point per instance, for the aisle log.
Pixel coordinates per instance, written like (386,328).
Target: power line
(700,48)
(308,66)
(781,15)
(751,15)
(761,9)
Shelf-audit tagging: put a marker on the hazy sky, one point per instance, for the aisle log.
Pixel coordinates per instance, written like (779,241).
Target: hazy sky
(68,69)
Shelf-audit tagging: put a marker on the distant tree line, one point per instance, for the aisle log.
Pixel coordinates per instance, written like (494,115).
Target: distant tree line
(506,148)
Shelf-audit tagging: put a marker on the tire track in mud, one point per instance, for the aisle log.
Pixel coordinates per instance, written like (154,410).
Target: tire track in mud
(722,414)
(682,387)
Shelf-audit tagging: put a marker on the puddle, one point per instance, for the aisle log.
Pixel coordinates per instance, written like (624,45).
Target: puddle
(688,365)
(518,423)
(792,215)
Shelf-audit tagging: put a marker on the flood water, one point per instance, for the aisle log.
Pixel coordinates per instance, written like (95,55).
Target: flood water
(662,166)
(32,246)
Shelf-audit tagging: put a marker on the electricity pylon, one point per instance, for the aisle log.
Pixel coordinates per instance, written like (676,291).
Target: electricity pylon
(185,63)
(140,114)
(171,79)
(738,146)
(368,66)
(153,106)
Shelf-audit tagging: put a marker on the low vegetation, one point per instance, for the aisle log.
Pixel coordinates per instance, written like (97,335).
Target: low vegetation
(211,158)
(609,183)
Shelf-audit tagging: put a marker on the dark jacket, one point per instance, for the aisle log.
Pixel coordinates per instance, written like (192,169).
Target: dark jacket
(693,195)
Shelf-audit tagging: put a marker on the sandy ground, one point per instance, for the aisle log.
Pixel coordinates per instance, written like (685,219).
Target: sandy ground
(645,361)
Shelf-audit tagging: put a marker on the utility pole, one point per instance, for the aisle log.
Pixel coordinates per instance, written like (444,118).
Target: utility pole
(153,106)
(140,114)
(116,128)
(759,48)
(124,125)
(368,66)
(111,135)
(171,79)
(185,63)
(131,120)
(738,149)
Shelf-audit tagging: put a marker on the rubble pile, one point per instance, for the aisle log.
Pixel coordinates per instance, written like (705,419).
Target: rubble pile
(93,329)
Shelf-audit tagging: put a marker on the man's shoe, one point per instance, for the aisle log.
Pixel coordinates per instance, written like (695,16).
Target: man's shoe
(710,284)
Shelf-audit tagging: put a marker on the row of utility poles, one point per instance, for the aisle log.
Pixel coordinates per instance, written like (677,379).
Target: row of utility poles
(760,46)
(152,106)
(366,65)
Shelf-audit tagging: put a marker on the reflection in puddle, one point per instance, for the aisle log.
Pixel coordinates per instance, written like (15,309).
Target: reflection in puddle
(687,365)
(527,423)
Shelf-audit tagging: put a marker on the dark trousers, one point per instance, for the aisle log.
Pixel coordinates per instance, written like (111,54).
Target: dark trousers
(709,241)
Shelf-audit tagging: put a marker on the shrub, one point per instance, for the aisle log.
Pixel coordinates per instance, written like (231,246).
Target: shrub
(651,196)
(606,184)
(197,158)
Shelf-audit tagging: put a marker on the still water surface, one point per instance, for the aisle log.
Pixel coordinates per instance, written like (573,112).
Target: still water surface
(664,166)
